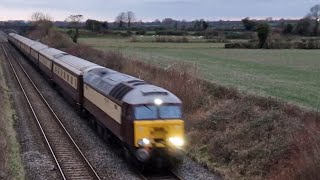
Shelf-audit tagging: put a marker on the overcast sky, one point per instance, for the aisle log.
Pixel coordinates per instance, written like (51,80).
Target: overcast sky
(149,10)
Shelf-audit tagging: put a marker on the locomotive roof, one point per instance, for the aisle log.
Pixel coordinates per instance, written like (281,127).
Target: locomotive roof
(127,88)
(146,94)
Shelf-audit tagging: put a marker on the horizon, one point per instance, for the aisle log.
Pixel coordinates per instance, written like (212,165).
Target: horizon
(240,19)
(150,10)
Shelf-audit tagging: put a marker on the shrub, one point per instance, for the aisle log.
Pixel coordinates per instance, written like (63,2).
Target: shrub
(171,33)
(242,45)
(166,39)
(240,35)
(263,31)
(141,32)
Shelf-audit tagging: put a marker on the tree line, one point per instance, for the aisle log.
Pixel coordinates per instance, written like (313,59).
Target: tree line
(307,26)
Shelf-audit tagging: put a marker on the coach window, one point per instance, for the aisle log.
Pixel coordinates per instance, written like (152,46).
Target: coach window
(76,82)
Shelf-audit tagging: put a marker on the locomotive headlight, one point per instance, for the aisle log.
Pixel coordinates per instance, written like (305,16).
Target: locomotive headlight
(176,141)
(158,102)
(144,142)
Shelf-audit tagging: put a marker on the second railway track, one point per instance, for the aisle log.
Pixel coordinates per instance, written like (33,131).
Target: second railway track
(69,159)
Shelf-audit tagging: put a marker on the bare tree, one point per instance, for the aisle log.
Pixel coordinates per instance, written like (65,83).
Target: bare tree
(121,19)
(75,23)
(315,15)
(39,16)
(130,18)
(43,22)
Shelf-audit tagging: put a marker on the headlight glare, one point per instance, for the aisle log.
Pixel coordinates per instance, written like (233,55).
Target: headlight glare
(144,142)
(158,102)
(176,141)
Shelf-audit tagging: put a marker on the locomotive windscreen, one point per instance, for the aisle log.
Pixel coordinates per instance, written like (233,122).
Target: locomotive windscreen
(149,112)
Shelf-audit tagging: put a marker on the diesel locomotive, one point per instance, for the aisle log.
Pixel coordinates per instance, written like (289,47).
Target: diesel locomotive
(145,118)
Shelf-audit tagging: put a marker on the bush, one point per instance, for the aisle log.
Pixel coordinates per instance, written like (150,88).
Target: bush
(218,40)
(242,45)
(171,33)
(166,39)
(278,43)
(240,35)
(141,32)
(263,31)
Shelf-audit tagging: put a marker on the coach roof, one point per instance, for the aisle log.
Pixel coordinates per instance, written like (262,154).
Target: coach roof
(52,53)
(24,40)
(75,64)
(37,46)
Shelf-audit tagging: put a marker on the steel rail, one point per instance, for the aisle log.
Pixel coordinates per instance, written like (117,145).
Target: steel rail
(54,115)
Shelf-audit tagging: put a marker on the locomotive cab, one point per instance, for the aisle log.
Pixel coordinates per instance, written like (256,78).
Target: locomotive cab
(158,130)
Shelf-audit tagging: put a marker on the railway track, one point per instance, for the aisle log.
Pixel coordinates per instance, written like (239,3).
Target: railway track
(3,37)
(167,175)
(70,161)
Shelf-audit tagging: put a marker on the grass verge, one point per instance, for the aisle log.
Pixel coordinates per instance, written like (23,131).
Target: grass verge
(11,166)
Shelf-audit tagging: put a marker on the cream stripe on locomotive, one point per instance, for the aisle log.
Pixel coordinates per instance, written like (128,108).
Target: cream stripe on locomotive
(104,103)
(70,79)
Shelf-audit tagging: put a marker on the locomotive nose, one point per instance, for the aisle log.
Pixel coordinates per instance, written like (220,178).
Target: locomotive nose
(159,133)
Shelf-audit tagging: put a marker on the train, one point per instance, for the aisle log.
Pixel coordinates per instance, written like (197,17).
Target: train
(146,119)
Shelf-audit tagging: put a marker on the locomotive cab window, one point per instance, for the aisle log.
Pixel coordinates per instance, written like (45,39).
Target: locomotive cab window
(170,112)
(148,112)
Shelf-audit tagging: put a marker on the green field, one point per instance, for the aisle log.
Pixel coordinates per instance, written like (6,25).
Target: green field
(292,75)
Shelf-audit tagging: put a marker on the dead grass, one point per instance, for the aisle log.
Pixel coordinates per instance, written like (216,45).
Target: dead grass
(238,136)
(10,161)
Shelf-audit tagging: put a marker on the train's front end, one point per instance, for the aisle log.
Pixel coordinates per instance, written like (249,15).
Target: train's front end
(158,127)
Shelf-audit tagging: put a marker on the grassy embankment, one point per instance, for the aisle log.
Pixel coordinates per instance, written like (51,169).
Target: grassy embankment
(11,166)
(292,75)
(234,134)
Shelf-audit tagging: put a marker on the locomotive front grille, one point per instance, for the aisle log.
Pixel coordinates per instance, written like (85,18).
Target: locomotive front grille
(158,132)
(159,135)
